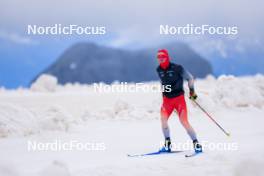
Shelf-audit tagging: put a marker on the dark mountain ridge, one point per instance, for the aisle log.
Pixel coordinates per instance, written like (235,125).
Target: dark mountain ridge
(90,63)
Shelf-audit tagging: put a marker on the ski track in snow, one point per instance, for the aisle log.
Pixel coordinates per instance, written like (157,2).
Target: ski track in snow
(128,123)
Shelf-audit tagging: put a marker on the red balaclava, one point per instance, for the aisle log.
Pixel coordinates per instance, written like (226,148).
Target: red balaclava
(163,54)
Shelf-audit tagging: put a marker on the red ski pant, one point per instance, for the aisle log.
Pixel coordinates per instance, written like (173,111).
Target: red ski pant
(176,103)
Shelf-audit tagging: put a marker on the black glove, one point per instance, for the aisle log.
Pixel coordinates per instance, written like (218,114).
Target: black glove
(193,95)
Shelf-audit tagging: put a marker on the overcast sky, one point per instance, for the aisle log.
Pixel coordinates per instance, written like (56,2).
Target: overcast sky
(131,21)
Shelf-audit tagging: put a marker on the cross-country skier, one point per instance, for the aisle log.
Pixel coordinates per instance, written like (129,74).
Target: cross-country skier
(172,76)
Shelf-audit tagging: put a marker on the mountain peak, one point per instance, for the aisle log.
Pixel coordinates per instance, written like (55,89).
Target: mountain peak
(89,63)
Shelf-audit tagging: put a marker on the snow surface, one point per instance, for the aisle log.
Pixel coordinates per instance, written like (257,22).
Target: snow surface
(128,123)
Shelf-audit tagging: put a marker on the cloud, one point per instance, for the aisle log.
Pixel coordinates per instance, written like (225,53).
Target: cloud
(143,17)
(209,47)
(16,38)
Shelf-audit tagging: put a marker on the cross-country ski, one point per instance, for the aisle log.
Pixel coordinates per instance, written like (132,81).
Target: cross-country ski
(154,153)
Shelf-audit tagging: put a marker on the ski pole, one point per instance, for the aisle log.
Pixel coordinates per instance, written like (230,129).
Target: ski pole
(226,133)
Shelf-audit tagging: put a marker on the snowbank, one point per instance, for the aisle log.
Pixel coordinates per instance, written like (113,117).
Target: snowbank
(239,92)
(214,94)
(19,121)
(45,83)
(47,106)
(15,120)
(225,91)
